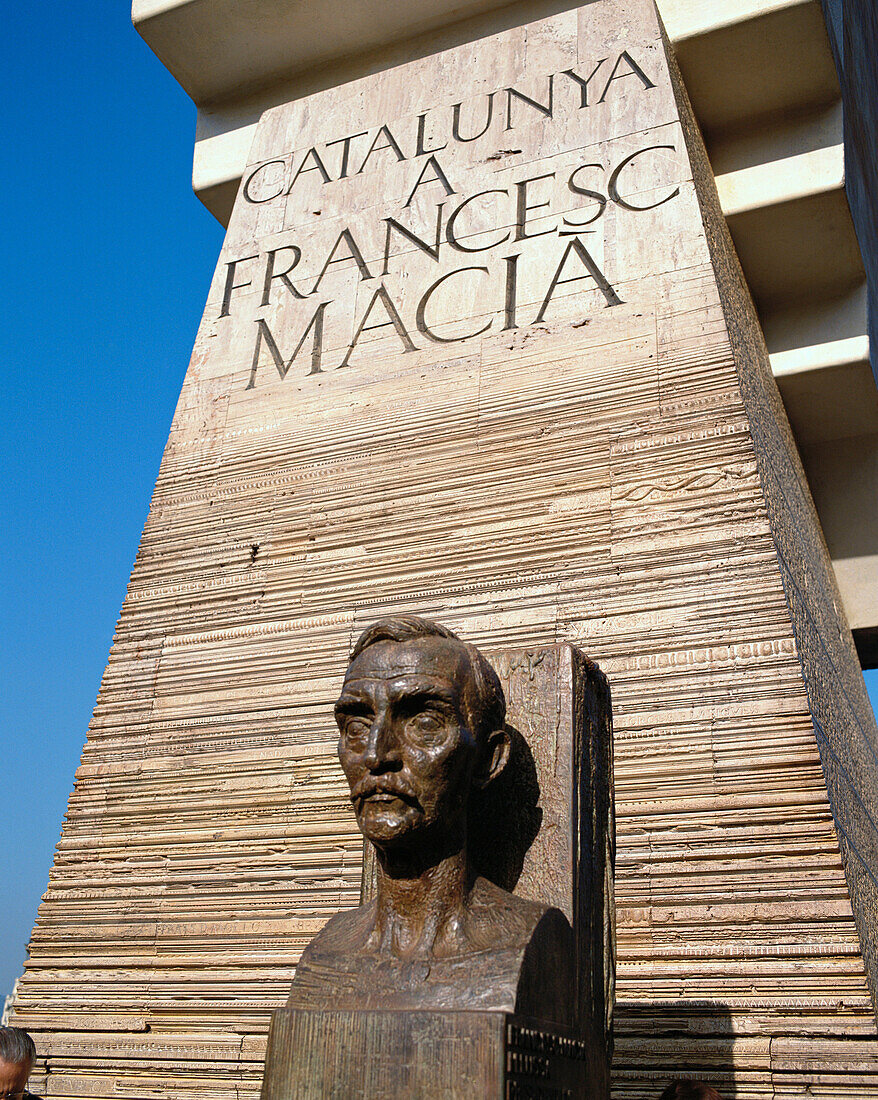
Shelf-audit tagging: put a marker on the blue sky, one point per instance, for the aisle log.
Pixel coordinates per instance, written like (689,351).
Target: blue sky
(107,256)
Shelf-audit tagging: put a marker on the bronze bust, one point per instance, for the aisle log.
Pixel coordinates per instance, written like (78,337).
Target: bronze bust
(422,734)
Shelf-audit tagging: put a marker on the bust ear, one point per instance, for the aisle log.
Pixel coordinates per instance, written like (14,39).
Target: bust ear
(496,756)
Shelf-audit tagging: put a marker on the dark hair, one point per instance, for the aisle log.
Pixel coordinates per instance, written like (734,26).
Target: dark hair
(689,1090)
(488,711)
(16,1046)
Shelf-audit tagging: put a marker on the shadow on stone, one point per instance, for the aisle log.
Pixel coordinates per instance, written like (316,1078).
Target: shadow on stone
(505,817)
(657,1042)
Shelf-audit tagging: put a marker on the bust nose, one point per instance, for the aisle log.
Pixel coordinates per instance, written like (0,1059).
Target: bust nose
(382,747)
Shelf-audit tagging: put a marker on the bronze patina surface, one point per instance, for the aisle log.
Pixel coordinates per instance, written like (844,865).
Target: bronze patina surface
(422,734)
(445,984)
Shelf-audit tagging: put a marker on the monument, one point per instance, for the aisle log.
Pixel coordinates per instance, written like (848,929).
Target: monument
(477,348)
(428,989)
(422,729)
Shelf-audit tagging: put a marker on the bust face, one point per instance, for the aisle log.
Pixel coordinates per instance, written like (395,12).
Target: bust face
(405,742)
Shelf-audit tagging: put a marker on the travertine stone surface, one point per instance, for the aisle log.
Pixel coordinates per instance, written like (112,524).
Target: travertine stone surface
(614,471)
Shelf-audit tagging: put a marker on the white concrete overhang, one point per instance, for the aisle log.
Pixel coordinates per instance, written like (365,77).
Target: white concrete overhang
(218,49)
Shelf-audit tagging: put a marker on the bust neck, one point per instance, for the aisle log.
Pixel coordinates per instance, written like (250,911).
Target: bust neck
(421,906)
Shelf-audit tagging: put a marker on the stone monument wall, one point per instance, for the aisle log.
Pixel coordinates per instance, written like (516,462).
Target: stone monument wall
(476,347)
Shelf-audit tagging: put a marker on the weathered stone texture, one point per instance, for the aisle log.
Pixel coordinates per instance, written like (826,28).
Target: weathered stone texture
(615,475)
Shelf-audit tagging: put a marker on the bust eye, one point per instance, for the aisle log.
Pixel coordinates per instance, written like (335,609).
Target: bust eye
(354,728)
(427,723)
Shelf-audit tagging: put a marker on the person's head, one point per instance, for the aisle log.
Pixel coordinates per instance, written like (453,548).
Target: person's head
(421,719)
(689,1090)
(17,1054)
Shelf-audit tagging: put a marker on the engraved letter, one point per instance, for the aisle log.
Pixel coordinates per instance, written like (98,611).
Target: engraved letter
(583,84)
(449,228)
(633,70)
(263,332)
(431,250)
(511,292)
(455,121)
(231,284)
(391,143)
(394,319)
(354,254)
(345,144)
(594,272)
(576,189)
(271,275)
(247,194)
(317,166)
(612,186)
(438,177)
(522,208)
(420,318)
(545,109)
(421,149)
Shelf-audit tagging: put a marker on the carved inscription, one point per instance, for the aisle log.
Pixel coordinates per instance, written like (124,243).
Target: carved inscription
(277,177)
(538,230)
(543,1064)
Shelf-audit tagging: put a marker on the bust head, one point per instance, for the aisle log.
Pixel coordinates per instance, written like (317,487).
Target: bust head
(421,726)
(689,1090)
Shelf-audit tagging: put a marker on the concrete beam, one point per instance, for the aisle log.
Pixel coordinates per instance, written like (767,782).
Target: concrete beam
(219,49)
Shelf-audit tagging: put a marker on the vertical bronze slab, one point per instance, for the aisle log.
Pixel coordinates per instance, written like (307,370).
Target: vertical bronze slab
(560,701)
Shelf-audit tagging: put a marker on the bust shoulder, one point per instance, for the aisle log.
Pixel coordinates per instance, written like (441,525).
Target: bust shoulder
(345,933)
(499,919)
(496,920)
(516,958)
